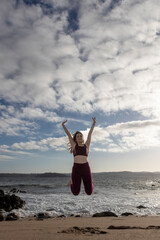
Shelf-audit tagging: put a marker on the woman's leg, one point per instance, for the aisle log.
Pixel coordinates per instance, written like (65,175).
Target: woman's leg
(76,181)
(87,179)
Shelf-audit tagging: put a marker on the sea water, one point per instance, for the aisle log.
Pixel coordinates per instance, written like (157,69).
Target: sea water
(118,192)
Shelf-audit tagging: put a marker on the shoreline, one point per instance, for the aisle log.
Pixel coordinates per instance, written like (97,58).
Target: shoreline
(66,228)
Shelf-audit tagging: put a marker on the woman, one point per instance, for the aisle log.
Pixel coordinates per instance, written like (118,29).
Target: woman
(81,169)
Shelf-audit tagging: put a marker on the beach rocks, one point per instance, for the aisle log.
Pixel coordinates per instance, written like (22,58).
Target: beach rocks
(141,207)
(12,217)
(15,190)
(132,227)
(76,216)
(9,217)
(61,216)
(126,214)
(1,193)
(105,214)
(2,218)
(123,227)
(10,202)
(41,216)
(83,230)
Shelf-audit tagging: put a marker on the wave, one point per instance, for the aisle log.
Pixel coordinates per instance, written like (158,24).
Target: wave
(25,185)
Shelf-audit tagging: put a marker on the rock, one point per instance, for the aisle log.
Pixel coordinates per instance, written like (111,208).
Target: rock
(126,214)
(2,211)
(2,218)
(1,193)
(141,207)
(10,202)
(61,216)
(132,227)
(83,230)
(5,203)
(12,217)
(118,227)
(42,216)
(105,214)
(16,202)
(15,190)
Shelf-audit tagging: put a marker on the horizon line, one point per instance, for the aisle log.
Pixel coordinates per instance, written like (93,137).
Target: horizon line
(70,172)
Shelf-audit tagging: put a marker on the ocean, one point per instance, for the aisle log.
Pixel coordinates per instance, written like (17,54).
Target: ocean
(118,192)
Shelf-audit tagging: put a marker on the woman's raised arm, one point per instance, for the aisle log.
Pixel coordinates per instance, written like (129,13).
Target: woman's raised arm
(90,133)
(68,134)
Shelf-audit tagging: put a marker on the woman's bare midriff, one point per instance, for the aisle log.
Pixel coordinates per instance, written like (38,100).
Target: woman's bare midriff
(80,159)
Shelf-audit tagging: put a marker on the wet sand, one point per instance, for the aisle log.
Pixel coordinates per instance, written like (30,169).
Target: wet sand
(112,228)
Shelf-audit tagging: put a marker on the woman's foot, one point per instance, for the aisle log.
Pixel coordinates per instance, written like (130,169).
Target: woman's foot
(70,183)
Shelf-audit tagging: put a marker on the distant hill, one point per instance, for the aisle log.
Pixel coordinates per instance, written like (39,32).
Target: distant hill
(50,174)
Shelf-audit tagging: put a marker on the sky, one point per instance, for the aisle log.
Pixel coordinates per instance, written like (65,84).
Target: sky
(74,60)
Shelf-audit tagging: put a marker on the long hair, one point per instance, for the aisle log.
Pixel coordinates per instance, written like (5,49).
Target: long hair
(74,139)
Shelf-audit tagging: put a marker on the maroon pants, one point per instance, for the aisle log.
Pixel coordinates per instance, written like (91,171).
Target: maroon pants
(81,172)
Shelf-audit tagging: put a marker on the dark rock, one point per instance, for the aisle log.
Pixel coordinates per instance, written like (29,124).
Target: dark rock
(15,190)
(105,214)
(42,216)
(153,227)
(132,227)
(61,216)
(2,211)
(12,217)
(141,207)
(126,214)
(22,191)
(1,193)
(5,203)
(102,232)
(10,202)
(123,227)
(2,218)
(16,202)
(83,230)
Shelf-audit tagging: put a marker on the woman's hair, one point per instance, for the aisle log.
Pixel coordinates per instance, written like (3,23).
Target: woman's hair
(74,139)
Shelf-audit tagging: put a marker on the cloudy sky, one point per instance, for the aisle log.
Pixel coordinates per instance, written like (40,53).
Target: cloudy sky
(71,59)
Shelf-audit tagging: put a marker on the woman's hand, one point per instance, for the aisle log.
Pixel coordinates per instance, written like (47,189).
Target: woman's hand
(63,123)
(94,120)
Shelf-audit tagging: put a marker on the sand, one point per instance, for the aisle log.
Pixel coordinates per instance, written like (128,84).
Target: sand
(112,228)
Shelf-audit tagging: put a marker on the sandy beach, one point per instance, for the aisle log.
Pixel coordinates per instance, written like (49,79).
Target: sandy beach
(113,228)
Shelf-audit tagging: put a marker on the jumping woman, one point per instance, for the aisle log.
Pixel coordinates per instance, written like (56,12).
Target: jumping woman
(81,169)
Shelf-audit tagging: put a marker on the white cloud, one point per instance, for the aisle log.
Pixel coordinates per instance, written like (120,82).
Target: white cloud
(108,64)
(13,126)
(22,121)
(129,136)
(6,149)
(121,137)
(38,113)
(31,145)
(4,158)
(42,145)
